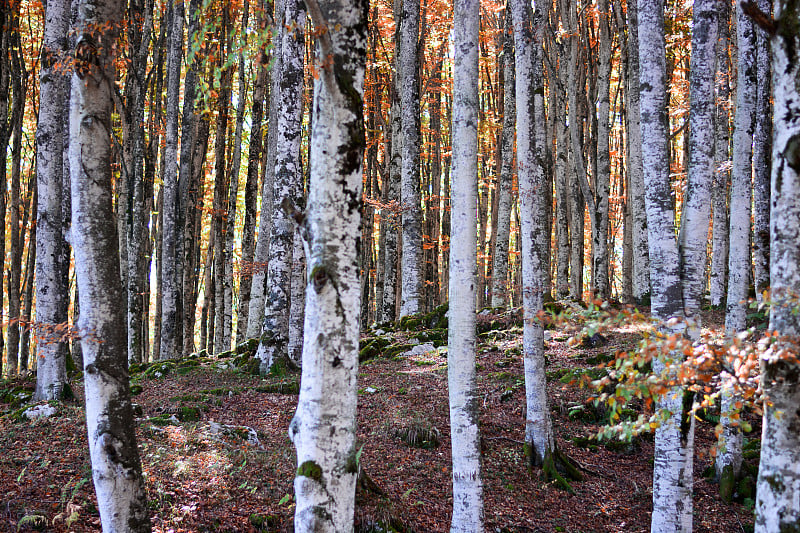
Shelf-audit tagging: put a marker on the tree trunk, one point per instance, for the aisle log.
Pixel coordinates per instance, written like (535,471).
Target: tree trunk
(500,288)
(51,372)
(412,272)
(464,401)
(116,469)
(539,438)
(633,129)
(693,241)
(171,317)
(324,426)
(674,441)
(719,247)
(741,175)
(14,275)
(779,469)
(250,192)
(255,314)
(287,184)
(762,148)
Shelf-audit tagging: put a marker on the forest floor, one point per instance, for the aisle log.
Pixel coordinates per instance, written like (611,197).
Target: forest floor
(214,446)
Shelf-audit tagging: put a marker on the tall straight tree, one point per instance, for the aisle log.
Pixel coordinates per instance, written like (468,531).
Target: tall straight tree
(287,186)
(324,427)
(762,139)
(672,468)
(779,468)
(51,292)
(719,247)
(116,468)
(412,272)
(464,401)
(171,283)
(633,128)
(539,438)
(741,175)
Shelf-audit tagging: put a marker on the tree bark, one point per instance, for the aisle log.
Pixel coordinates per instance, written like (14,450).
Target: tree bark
(741,175)
(116,469)
(412,272)
(51,372)
(287,184)
(539,437)
(464,401)
(171,317)
(779,469)
(762,147)
(500,287)
(674,441)
(719,248)
(324,426)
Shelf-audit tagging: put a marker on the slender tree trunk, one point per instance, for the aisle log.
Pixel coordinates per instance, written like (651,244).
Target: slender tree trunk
(14,275)
(286,189)
(719,248)
(27,284)
(255,314)
(464,401)
(408,72)
(539,438)
(250,192)
(324,426)
(171,325)
(51,372)
(741,175)
(500,288)
(779,469)
(762,148)
(298,302)
(674,440)
(693,240)
(641,258)
(116,469)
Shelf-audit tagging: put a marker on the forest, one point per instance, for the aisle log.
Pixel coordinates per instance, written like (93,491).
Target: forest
(400,266)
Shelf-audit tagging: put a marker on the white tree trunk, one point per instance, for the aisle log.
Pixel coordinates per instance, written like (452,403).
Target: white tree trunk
(287,184)
(464,402)
(51,292)
(719,247)
(298,303)
(641,257)
(673,454)
(255,315)
(741,175)
(762,147)
(412,272)
(324,426)
(602,183)
(538,425)
(778,488)
(697,204)
(116,469)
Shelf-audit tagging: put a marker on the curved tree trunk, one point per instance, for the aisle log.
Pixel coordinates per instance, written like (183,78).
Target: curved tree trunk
(116,468)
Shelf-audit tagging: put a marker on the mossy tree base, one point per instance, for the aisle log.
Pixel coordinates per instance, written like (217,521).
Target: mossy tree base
(557,467)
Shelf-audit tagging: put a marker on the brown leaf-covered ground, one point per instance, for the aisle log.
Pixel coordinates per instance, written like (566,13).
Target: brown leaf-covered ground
(202,479)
